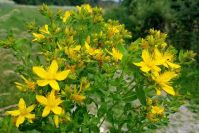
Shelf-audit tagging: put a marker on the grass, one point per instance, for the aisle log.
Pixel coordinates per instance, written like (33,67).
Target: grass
(14,18)
(7,77)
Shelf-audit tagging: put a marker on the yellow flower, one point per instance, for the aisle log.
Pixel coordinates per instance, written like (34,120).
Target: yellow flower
(66,16)
(22,113)
(79,8)
(51,103)
(149,101)
(84,84)
(56,120)
(38,37)
(112,30)
(92,51)
(157,110)
(28,84)
(148,63)
(163,81)
(86,7)
(116,54)
(76,95)
(51,75)
(44,29)
(72,52)
(155,113)
(151,117)
(78,98)
(165,59)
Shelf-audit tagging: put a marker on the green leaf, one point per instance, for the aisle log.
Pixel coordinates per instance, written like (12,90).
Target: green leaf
(135,45)
(141,95)
(85,130)
(110,116)
(95,129)
(102,110)
(124,52)
(130,97)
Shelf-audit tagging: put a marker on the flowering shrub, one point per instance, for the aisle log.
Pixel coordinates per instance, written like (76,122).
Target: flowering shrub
(86,77)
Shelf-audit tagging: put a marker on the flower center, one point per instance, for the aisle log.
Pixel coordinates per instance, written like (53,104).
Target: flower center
(50,76)
(24,112)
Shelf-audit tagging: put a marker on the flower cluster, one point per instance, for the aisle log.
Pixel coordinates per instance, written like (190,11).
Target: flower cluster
(158,61)
(154,112)
(69,47)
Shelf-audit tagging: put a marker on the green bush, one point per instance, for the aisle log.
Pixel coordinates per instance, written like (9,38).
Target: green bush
(102,78)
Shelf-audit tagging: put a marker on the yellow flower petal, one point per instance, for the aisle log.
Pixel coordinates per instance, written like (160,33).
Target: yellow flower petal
(144,68)
(56,120)
(13,113)
(44,29)
(38,37)
(20,120)
(169,89)
(30,116)
(58,101)
(21,104)
(41,99)
(62,75)
(173,65)
(78,98)
(158,92)
(54,85)
(40,72)
(57,110)
(53,67)
(145,56)
(30,120)
(66,16)
(167,76)
(157,69)
(31,108)
(87,46)
(42,82)
(46,111)
(157,110)
(138,64)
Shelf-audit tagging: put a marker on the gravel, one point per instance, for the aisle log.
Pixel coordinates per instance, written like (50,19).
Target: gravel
(183,121)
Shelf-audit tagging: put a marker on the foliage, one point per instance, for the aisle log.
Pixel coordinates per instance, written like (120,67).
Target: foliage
(189,85)
(180,19)
(55,2)
(141,15)
(85,76)
(184,31)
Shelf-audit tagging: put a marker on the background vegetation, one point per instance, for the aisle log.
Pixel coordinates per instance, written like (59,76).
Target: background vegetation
(56,2)
(178,18)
